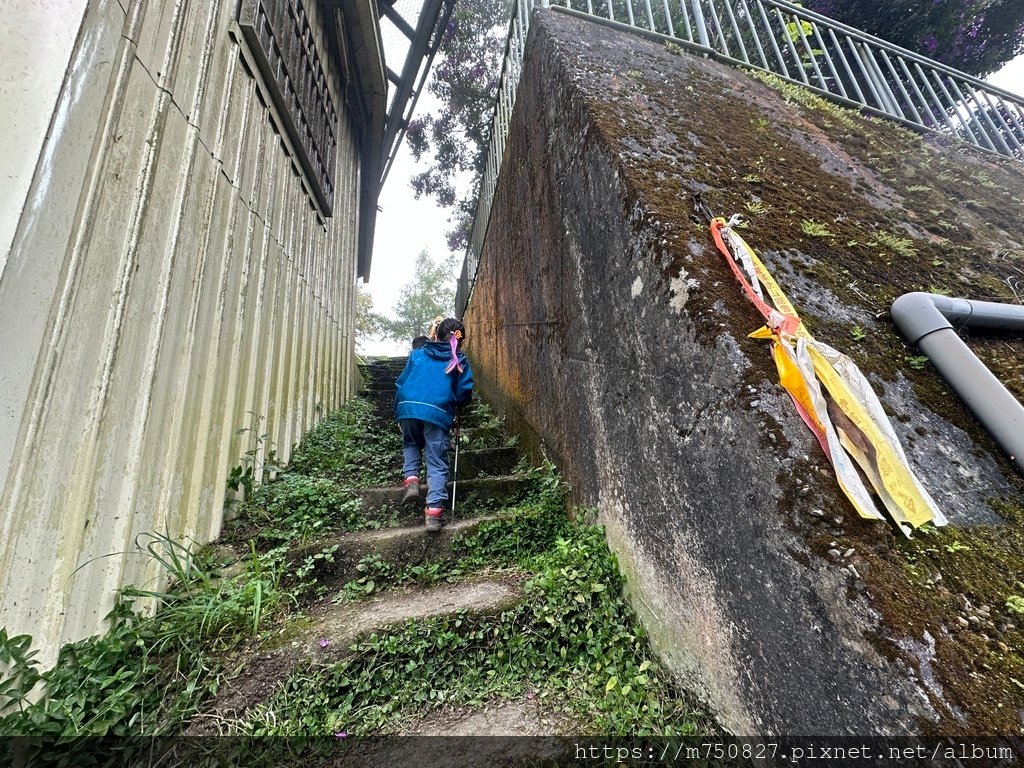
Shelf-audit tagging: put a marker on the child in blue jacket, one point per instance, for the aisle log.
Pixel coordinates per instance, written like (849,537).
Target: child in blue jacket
(436,380)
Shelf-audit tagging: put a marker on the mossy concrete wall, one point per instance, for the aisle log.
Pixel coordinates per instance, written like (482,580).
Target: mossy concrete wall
(613,335)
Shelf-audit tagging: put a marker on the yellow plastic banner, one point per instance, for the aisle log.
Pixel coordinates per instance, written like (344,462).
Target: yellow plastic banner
(852,424)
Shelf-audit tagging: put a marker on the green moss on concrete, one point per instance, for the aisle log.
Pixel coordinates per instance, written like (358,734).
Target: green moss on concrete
(867,211)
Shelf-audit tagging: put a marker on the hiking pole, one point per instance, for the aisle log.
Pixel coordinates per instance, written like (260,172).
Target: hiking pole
(455,471)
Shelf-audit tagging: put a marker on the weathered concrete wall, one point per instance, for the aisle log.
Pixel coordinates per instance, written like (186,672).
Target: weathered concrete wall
(33,72)
(168,278)
(611,332)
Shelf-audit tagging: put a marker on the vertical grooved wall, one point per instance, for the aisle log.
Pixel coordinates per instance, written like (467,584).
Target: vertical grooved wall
(169,281)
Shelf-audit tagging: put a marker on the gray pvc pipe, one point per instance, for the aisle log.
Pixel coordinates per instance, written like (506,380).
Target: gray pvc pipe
(925,320)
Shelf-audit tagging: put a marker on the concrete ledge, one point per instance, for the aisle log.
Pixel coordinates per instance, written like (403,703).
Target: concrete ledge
(490,489)
(398,547)
(340,626)
(611,334)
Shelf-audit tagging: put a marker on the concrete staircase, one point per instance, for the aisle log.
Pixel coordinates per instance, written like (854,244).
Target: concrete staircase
(265,669)
(490,478)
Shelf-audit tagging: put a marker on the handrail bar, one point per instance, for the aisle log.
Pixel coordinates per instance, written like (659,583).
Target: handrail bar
(864,37)
(957,116)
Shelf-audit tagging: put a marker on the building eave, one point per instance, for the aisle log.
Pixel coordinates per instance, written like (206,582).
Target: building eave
(359,19)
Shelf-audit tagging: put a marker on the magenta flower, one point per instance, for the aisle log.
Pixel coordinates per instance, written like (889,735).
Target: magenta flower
(341,735)
(324,642)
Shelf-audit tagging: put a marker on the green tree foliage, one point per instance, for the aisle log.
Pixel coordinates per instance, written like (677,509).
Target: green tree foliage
(430,293)
(455,138)
(975,36)
(369,324)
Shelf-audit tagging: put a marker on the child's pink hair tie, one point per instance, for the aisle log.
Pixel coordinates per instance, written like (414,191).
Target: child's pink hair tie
(454,343)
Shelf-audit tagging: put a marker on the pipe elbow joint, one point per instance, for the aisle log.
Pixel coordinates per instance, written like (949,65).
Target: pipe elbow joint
(916,315)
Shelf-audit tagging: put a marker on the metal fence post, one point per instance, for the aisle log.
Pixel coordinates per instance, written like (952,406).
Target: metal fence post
(702,27)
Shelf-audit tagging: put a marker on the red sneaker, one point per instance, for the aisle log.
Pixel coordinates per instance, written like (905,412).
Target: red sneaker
(412,489)
(433,517)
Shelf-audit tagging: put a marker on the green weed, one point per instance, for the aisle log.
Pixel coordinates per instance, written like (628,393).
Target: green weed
(298,508)
(352,446)
(573,640)
(307,582)
(901,246)
(257,465)
(814,229)
(146,674)
(373,571)
(484,429)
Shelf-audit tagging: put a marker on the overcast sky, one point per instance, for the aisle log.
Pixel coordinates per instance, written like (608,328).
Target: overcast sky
(405,225)
(1011,77)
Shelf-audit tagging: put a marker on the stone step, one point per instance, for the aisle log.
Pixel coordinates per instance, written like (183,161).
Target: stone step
(492,462)
(384,406)
(379,503)
(380,371)
(521,717)
(325,639)
(382,376)
(398,547)
(475,463)
(381,380)
(485,438)
(480,438)
(376,391)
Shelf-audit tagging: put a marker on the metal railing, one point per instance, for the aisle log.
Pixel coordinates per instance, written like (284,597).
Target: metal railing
(793,43)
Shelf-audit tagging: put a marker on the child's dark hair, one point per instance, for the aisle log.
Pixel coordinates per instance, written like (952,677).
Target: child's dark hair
(449,327)
(419,341)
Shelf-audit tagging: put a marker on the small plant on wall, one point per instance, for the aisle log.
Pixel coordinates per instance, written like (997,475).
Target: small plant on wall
(257,465)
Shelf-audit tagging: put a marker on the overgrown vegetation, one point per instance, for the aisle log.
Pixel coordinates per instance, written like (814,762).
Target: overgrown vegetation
(573,643)
(351,446)
(257,465)
(488,430)
(149,673)
(110,694)
(298,508)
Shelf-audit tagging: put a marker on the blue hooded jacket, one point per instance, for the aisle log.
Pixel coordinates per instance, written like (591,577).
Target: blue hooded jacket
(426,392)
